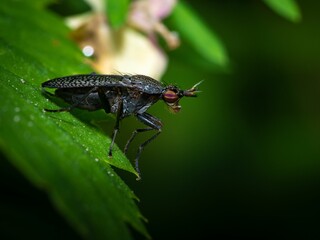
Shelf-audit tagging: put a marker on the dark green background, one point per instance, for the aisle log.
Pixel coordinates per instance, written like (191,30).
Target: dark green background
(240,161)
(243,159)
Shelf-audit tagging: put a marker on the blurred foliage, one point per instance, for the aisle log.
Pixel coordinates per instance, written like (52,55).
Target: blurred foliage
(286,8)
(70,7)
(117,11)
(192,29)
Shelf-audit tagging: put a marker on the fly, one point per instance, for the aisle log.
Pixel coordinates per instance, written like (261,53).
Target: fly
(122,95)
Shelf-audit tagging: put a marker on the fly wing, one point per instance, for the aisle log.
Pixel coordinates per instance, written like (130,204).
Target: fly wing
(84,80)
(140,82)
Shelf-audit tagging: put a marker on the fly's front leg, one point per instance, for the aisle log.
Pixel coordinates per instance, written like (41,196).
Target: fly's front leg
(154,124)
(68,109)
(107,108)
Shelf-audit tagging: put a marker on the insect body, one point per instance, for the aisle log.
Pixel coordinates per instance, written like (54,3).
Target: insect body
(122,95)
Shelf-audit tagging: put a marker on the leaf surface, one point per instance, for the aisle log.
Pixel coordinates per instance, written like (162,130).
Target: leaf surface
(61,153)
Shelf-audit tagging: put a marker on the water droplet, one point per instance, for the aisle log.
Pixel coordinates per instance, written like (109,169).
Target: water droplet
(96,159)
(16,118)
(22,80)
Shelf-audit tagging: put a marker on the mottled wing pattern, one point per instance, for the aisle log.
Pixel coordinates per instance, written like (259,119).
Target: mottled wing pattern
(140,82)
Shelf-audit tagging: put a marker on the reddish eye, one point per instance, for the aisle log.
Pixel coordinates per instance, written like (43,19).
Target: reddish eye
(170,96)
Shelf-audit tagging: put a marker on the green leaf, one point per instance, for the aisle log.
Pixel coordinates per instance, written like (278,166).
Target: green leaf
(200,37)
(64,154)
(288,9)
(117,11)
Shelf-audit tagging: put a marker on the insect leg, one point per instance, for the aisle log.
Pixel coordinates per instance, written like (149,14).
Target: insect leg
(69,108)
(135,132)
(47,93)
(104,100)
(116,127)
(154,124)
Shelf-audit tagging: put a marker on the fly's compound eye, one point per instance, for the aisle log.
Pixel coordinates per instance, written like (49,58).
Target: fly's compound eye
(170,96)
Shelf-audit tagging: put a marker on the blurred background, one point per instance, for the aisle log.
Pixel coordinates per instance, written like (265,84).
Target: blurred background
(242,160)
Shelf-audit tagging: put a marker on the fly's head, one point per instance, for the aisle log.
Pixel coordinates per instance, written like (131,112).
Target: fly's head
(172,94)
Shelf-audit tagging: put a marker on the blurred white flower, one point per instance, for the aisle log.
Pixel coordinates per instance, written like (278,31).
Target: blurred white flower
(132,49)
(146,15)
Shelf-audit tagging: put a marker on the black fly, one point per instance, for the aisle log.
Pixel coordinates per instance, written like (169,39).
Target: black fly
(122,95)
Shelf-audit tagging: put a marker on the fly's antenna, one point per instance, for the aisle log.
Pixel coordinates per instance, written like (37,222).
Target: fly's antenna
(192,92)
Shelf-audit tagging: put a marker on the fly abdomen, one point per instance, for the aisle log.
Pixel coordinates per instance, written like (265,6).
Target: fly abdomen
(74,96)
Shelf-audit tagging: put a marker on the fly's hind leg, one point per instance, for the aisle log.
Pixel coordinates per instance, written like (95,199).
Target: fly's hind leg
(154,124)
